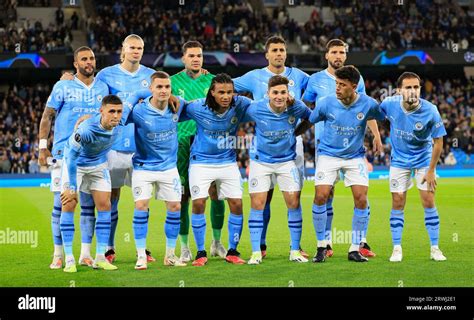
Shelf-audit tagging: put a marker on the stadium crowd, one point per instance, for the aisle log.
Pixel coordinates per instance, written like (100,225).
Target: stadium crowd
(220,25)
(21,108)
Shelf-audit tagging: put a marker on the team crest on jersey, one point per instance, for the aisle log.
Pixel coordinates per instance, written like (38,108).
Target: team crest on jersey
(291,120)
(394,183)
(195,189)
(175,118)
(137,191)
(291,83)
(418,125)
(56,181)
(233,120)
(144,83)
(254,182)
(99,98)
(360,116)
(320,175)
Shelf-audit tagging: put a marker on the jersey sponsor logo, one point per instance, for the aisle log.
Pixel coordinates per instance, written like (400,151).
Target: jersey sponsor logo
(233,120)
(254,182)
(291,120)
(360,116)
(418,126)
(320,175)
(137,191)
(195,190)
(144,83)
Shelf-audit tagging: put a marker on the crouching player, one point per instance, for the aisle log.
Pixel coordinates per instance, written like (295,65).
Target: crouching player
(86,170)
(414,125)
(275,153)
(154,165)
(213,159)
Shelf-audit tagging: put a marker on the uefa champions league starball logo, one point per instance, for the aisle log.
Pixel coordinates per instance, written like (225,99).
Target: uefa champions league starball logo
(360,116)
(418,126)
(469,57)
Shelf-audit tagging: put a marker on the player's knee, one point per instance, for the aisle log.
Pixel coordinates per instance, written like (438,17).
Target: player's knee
(199,205)
(173,206)
(257,203)
(141,205)
(321,198)
(235,206)
(398,201)
(428,202)
(360,200)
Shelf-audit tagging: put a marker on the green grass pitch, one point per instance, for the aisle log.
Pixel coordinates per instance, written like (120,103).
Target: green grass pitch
(30,209)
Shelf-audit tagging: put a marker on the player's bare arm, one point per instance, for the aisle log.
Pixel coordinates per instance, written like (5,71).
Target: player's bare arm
(45,128)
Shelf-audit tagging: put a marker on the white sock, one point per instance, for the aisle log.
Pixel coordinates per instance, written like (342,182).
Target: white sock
(85,249)
(364,240)
(110,248)
(70,259)
(169,251)
(99,257)
(321,243)
(141,252)
(58,250)
(434,247)
(354,247)
(329,242)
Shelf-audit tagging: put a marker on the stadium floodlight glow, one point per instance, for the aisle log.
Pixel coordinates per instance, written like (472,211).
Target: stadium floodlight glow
(35,59)
(421,55)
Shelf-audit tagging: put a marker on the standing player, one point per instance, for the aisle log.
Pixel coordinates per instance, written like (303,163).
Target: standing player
(68,101)
(341,148)
(86,170)
(321,84)
(155,166)
(256,82)
(123,79)
(191,84)
(415,126)
(275,155)
(213,160)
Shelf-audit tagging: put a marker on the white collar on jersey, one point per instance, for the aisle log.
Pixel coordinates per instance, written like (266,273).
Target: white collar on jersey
(280,74)
(412,111)
(88,87)
(128,72)
(328,74)
(274,112)
(161,112)
(353,102)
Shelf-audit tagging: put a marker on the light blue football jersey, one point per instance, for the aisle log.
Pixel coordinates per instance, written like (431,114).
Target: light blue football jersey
(156,136)
(71,100)
(122,83)
(344,126)
(274,140)
(412,133)
(256,82)
(323,84)
(215,140)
